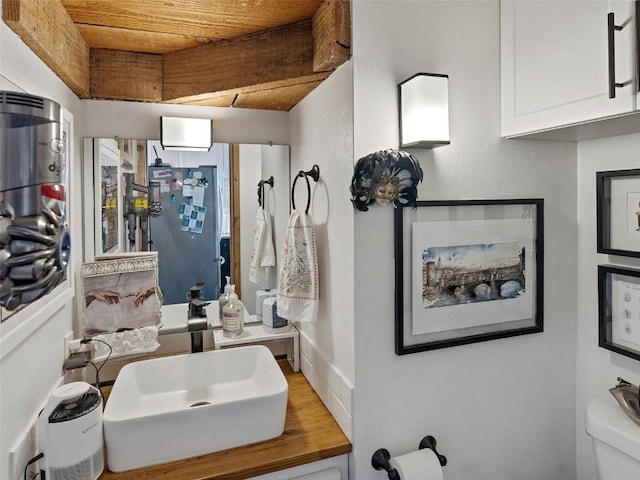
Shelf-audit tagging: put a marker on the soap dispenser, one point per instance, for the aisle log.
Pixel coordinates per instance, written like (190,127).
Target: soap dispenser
(233,316)
(224,298)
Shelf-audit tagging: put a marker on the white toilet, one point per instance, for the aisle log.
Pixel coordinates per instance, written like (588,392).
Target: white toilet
(616,439)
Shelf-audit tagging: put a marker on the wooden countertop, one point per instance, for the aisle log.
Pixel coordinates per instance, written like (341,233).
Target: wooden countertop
(310,434)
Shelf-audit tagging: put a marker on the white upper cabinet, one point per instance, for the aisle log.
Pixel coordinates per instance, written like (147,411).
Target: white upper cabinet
(555,59)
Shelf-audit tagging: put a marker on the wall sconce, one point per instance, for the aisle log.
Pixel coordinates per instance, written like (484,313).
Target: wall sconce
(186,133)
(424,111)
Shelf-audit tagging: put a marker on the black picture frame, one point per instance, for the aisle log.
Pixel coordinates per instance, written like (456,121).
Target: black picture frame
(434,307)
(619,310)
(618,212)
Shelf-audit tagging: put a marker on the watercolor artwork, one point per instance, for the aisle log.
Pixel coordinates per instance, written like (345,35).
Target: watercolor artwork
(454,275)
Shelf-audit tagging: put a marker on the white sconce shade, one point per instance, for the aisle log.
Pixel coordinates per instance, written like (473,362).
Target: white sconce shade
(424,111)
(178,133)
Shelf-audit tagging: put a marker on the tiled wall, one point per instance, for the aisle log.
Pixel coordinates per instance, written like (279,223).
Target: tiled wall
(331,386)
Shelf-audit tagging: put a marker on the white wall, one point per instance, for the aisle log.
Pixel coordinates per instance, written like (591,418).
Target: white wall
(142,121)
(31,349)
(321,132)
(598,368)
(503,409)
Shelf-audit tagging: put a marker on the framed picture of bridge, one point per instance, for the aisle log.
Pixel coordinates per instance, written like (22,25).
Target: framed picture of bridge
(467,271)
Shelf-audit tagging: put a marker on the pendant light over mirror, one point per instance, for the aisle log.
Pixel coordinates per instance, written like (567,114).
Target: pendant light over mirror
(177,133)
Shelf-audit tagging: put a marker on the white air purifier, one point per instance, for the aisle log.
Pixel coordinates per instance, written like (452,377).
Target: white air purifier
(69,432)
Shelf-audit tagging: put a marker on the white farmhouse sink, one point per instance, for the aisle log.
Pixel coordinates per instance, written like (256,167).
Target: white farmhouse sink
(170,408)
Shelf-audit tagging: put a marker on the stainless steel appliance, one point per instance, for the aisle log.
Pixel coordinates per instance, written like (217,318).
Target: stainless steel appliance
(34,239)
(188,251)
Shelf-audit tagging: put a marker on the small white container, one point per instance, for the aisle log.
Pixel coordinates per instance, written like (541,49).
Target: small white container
(271,321)
(261,296)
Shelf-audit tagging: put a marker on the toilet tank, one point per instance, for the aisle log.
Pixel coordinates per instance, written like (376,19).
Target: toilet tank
(616,439)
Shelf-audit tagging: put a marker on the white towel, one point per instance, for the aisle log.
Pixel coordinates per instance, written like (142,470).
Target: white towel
(263,253)
(129,342)
(298,277)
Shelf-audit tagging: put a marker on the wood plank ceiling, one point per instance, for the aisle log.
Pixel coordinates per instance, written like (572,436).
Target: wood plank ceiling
(266,54)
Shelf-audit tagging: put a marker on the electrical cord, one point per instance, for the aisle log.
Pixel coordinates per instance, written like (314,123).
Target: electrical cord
(31,462)
(97,369)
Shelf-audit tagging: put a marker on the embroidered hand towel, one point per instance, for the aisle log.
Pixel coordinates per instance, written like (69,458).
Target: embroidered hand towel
(298,276)
(268,256)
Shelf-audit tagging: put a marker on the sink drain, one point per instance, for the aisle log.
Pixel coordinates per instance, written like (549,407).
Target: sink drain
(197,404)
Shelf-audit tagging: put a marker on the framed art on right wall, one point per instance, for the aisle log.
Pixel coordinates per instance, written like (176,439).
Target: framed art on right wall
(467,271)
(618,212)
(619,310)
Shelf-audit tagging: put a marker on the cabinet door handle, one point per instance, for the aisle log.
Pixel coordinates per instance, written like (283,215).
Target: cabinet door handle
(611,44)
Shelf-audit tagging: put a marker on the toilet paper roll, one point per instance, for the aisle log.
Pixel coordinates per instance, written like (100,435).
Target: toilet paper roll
(420,465)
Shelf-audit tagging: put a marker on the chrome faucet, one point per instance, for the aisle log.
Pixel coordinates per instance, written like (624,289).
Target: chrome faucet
(623,383)
(197,317)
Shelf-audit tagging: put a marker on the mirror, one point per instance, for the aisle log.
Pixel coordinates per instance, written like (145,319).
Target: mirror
(188,206)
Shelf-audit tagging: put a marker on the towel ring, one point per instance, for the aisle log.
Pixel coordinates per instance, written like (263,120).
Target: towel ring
(314,173)
(261,184)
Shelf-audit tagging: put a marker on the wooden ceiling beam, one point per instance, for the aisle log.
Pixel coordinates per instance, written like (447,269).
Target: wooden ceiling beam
(278,98)
(119,75)
(272,69)
(277,54)
(224,100)
(116,38)
(252,65)
(214,19)
(277,95)
(331,35)
(47,29)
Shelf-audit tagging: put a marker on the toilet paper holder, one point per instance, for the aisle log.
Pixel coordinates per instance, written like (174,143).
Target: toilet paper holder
(381,457)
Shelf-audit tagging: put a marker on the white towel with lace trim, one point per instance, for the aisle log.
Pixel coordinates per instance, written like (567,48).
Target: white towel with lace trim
(263,253)
(298,276)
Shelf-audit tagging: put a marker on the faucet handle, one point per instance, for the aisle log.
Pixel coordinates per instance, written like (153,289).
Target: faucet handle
(196,308)
(195,291)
